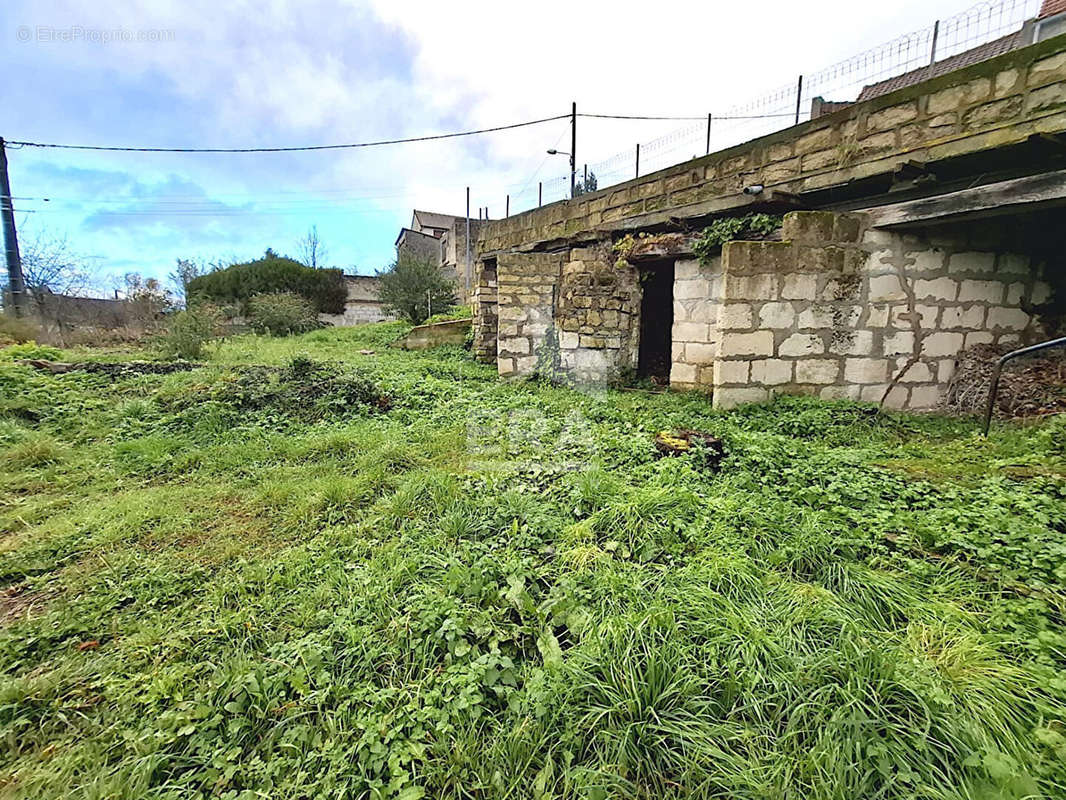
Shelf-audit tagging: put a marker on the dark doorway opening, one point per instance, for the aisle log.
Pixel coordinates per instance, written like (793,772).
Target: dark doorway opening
(656,322)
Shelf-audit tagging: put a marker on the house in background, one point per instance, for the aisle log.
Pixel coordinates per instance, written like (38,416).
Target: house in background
(441,239)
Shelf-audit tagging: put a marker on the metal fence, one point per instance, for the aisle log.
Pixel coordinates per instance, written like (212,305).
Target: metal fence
(790,103)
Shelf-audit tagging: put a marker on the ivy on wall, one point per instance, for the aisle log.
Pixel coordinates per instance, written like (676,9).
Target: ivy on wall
(750,226)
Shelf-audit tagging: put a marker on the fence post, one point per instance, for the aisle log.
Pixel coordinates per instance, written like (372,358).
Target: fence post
(540,193)
(799,98)
(708,135)
(932,50)
(638,159)
(507,207)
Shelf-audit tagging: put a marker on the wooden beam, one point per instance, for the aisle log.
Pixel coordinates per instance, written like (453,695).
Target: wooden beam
(993,199)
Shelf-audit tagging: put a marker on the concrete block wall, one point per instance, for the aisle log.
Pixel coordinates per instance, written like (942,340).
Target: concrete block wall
(695,336)
(840,311)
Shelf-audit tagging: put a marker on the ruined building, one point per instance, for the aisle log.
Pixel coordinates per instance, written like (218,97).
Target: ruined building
(916,224)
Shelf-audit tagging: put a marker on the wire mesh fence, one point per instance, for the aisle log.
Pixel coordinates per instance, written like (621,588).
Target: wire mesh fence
(937,48)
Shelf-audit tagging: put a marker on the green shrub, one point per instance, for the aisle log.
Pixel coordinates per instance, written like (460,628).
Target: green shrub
(453,313)
(323,288)
(754,226)
(188,331)
(14,329)
(281,314)
(412,287)
(30,349)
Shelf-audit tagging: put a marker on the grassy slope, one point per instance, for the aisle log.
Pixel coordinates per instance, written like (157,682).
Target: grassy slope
(498,590)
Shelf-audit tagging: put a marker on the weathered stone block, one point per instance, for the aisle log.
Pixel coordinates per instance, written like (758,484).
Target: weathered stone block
(971,262)
(515,345)
(925,397)
(1012,264)
(799,286)
(758,343)
(734,315)
(971,316)
(979,337)
(808,227)
(690,289)
(1006,82)
(885,287)
(698,353)
(944,289)
(982,291)
(801,344)
(897,397)
(1045,98)
(942,343)
(892,117)
(990,113)
(918,372)
(878,143)
(821,159)
(958,96)
(873,394)
(817,370)
(691,332)
(840,392)
(685,269)
(568,340)
(730,372)
(771,371)
(1048,69)
(834,316)
(682,373)
(865,370)
(726,398)
(852,343)
(1041,293)
(898,343)
(777,315)
(817,140)
(1012,319)
(750,287)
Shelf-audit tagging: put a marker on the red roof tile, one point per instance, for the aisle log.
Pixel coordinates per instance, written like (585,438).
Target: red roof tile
(975,55)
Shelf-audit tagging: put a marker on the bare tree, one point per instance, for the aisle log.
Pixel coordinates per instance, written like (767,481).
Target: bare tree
(51,267)
(310,249)
(185,270)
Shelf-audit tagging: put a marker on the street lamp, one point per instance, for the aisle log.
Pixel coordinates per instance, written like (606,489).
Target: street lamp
(573,167)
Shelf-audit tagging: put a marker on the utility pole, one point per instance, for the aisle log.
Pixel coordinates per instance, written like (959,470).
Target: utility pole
(468,278)
(573,148)
(16,283)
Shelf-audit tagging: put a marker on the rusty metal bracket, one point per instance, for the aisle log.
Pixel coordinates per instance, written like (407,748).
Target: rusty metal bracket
(994,388)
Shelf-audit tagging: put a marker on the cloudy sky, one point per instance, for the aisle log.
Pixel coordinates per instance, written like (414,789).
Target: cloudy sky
(189,73)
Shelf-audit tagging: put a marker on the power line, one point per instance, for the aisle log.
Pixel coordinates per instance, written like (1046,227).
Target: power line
(287,149)
(702,118)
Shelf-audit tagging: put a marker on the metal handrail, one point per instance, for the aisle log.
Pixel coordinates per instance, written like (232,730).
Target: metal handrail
(991,403)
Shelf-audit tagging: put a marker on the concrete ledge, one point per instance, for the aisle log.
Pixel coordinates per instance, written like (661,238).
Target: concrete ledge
(438,334)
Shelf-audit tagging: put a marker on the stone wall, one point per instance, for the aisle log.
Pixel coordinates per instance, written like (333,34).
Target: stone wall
(840,311)
(697,294)
(991,104)
(362,304)
(526,294)
(598,316)
(486,320)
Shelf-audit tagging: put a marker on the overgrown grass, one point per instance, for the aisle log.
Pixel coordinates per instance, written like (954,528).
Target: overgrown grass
(266,583)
